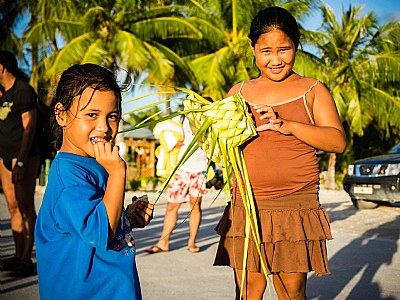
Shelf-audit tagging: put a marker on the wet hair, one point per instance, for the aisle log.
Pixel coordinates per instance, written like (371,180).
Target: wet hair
(73,82)
(273,18)
(9,62)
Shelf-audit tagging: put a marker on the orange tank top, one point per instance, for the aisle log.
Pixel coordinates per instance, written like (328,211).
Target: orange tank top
(277,164)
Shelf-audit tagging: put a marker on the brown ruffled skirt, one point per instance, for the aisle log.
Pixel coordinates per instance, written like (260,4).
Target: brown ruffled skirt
(293,231)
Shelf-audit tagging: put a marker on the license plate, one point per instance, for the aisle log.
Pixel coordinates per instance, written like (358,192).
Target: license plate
(363,190)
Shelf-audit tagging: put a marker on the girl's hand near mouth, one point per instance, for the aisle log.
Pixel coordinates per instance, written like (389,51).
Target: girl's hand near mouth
(107,154)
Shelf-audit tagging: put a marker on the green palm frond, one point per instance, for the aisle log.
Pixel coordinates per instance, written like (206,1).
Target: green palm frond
(161,69)
(361,65)
(132,52)
(385,107)
(354,110)
(243,73)
(208,69)
(383,67)
(127,13)
(180,64)
(214,35)
(96,53)
(340,101)
(43,66)
(307,65)
(72,53)
(163,28)
(48,30)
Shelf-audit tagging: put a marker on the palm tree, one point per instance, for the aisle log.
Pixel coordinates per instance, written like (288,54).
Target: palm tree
(360,62)
(136,36)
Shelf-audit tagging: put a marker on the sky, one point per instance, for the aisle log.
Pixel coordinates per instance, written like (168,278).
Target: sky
(385,10)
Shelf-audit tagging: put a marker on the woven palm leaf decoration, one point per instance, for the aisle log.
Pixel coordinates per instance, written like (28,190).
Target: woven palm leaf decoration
(231,125)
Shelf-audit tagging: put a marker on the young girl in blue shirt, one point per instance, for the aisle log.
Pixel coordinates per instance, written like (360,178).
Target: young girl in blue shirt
(84,243)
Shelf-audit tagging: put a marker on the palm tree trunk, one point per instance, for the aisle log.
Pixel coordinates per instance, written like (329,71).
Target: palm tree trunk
(168,106)
(234,22)
(35,59)
(331,178)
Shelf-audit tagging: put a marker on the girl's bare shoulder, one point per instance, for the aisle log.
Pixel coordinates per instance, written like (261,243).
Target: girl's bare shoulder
(235,89)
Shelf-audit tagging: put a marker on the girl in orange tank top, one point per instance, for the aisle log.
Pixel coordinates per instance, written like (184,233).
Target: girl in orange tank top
(282,167)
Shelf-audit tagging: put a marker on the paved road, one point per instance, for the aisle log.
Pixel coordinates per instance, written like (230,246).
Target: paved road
(364,256)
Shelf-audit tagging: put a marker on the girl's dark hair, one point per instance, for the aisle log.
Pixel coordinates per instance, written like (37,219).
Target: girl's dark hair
(73,83)
(274,18)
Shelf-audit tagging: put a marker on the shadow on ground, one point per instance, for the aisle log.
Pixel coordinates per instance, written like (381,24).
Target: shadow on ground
(357,263)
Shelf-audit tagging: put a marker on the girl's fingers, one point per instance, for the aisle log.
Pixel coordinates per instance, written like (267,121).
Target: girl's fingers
(274,124)
(108,156)
(105,150)
(108,150)
(115,149)
(267,126)
(96,150)
(267,112)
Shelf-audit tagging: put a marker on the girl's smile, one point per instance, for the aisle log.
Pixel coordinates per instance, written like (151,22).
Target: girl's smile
(96,139)
(276,70)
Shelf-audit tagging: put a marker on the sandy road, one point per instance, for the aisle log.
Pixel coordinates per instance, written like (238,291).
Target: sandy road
(364,255)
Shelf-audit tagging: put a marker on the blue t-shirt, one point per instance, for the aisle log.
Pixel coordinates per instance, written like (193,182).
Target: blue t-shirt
(74,258)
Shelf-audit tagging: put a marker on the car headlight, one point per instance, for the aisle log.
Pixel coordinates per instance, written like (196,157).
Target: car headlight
(350,170)
(390,169)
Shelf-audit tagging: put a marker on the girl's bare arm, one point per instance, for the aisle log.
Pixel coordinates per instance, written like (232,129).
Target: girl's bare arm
(108,156)
(327,134)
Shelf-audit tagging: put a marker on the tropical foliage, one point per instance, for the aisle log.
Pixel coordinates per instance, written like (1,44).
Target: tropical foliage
(360,63)
(113,34)
(202,45)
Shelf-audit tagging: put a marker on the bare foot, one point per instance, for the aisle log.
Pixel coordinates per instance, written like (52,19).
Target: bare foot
(193,249)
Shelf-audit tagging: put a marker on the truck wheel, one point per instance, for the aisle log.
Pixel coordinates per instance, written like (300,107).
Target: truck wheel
(362,204)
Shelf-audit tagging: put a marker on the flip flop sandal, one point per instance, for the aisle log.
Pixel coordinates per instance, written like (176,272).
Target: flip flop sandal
(155,249)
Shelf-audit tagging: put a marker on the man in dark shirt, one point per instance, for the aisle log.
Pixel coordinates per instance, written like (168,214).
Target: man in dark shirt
(19,161)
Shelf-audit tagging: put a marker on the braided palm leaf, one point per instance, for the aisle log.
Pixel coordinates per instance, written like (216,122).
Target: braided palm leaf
(230,125)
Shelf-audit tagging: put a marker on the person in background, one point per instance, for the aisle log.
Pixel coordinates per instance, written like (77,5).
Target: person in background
(188,185)
(85,246)
(294,115)
(170,134)
(19,161)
